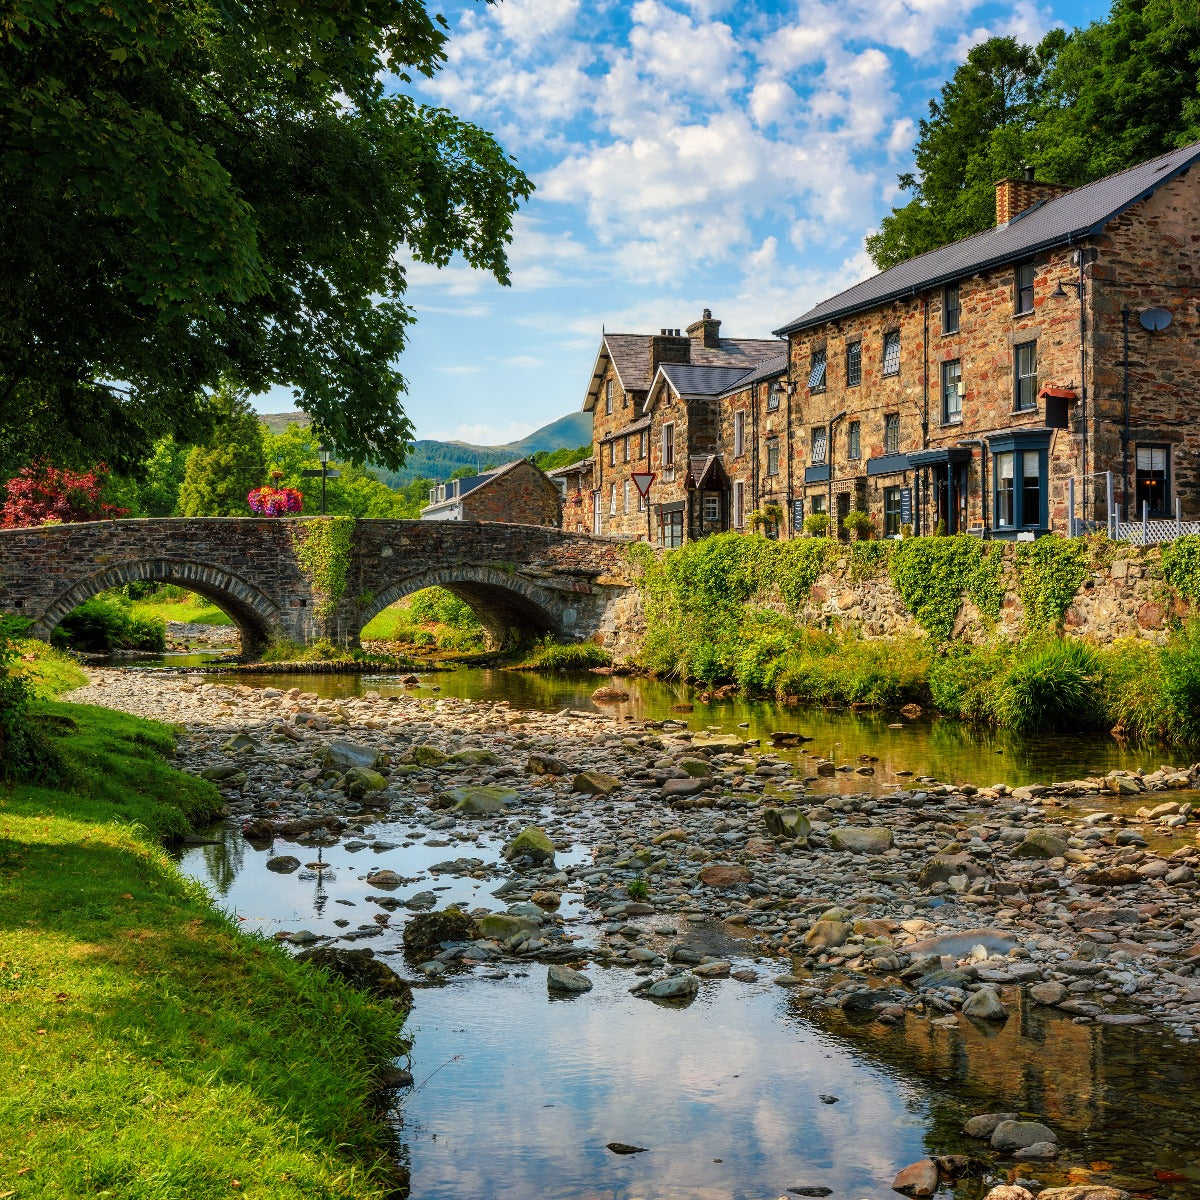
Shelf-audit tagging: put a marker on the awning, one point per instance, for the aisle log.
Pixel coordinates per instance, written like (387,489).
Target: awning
(888,464)
(817,474)
(940,456)
(1058,393)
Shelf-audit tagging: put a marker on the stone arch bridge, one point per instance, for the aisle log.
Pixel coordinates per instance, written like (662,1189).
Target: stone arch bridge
(520,580)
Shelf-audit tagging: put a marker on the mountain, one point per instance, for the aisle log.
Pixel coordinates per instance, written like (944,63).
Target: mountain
(437,460)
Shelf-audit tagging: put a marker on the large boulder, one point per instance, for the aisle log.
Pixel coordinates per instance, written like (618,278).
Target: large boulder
(1016,1135)
(985,1005)
(677,987)
(428,756)
(531,843)
(501,926)
(861,839)
(360,781)
(943,867)
(481,800)
(361,970)
(566,979)
(473,757)
(344,756)
(427,931)
(917,1179)
(828,934)
(546,764)
(724,875)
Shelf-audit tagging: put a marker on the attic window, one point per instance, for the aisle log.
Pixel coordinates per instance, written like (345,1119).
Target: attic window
(816,374)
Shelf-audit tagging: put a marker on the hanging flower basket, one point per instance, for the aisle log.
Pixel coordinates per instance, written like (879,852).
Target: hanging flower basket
(275,501)
(577,498)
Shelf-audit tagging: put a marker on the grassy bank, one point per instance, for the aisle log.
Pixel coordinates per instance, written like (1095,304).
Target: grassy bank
(153,1051)
(431,619)
(171,603)
(727,610)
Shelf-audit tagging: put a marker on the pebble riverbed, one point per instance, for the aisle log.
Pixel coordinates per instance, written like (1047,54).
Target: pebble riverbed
(920,904)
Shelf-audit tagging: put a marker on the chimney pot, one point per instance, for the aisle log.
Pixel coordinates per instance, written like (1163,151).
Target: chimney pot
(1029,173)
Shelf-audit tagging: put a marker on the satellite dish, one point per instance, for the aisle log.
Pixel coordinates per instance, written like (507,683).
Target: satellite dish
(1155,319)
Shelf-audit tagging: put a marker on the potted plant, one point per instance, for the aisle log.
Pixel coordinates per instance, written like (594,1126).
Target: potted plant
(858,523)
(816,524)
(766,520)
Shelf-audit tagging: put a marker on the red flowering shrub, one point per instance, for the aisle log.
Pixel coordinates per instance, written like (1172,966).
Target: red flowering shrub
(43,495)
(275,502)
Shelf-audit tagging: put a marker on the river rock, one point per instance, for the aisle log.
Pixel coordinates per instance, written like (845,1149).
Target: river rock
(1118,876)
(1052,992)
(942,867)
(790,823)
(985,1005)
(427,931)
(474,758)
(344,756)
(595,783)
(1016,1135)
(828,934)
(1038,1152)
(1042,843)
(283,864)
(428,756)
(223,772)
(718,742)
(699,768)
(501,926)
(859,839)
(684,787)
(565,979)
(481,800)
(384,878)
(531,842)
(545,764)
(724,875)
(1009,1191)
(359,781)
(610,695)
(917,1179)
(677,987)
(984,1125)
(1085,1191)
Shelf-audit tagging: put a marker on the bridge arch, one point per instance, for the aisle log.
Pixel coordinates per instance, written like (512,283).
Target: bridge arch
(508,605)
(256,616)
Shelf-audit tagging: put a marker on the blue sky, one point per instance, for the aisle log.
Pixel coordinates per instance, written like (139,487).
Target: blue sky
(687,154)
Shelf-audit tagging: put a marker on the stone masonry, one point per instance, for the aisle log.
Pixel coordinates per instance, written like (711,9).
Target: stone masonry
(520,579)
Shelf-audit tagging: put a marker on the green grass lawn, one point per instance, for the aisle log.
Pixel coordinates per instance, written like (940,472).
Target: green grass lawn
(191,608)
(152,1051)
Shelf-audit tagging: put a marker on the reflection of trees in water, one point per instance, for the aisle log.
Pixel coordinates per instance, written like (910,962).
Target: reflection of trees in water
(224,861)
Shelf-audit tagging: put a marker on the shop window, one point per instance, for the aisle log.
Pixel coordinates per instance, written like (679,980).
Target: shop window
(1152,487)
(891,511)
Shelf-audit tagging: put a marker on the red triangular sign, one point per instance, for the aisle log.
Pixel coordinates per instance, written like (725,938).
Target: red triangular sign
(642,481)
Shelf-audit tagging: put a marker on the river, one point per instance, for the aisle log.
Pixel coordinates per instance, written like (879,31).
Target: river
(745,1094)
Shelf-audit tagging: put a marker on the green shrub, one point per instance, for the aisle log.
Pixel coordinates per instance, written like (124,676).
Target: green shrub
(549,655)
(816,524)
(858,523)
(25,751)
(962,680)
(104,624)
(1179,668)
(933,574)
(1050,571)
(1052,686)
(1181,565)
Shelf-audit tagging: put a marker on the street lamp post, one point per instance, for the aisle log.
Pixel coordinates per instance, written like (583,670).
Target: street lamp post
(325,473)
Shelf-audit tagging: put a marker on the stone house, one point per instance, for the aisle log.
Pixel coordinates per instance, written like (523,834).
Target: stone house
(518,493)
(672,435)
(574,483)
(966,388)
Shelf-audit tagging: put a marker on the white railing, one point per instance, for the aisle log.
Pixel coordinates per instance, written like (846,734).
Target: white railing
(1147,532)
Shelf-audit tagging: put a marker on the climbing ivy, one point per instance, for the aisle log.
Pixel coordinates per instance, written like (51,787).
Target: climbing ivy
(867,559)
(933,574)
(1181,565)
(796,566)
(1049,573)
(323,547)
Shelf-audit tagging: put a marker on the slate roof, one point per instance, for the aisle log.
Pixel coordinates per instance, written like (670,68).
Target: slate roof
(581,465)
(1064,219)
(701,466)
(702,381)
(766,370)
(630,354)
(636,427)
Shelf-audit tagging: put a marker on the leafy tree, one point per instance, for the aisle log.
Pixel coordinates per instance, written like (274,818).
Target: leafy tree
(562,457)
(219,475)
(41,494)
(977,132)
(196,191)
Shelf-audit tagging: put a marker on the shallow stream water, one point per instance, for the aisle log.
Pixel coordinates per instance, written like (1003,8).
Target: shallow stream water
(746,1094)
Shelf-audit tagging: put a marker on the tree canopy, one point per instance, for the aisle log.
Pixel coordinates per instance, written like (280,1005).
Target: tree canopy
(201,190)
(218,476)
(1077,107)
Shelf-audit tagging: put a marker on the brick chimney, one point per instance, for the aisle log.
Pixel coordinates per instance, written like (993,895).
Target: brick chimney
(669,346)
(1014,196)
(706,331)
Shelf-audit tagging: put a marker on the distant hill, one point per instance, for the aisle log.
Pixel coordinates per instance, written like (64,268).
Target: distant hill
(437,460)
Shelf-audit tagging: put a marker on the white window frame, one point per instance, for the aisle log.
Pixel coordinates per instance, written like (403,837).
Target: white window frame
(739,504)
(711,506)
(612,453)
(739,433)
(612,499)
(608,397)
(628,485)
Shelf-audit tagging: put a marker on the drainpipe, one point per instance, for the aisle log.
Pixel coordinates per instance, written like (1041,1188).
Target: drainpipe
(754,458)
(829,460)
(1083,412)
(1125,429)
(787,387)
(925,372)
